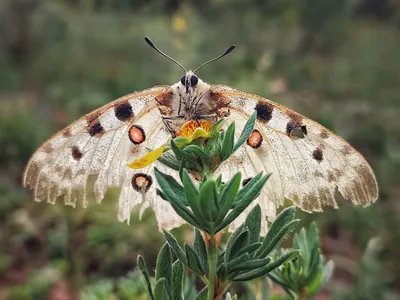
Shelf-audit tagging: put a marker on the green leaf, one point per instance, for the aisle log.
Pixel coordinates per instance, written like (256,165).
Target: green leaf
(170,188)
(192,194)
(207,201)
(177,280)
(201,249)
(164,266)
(247,187)
(168,159)
(227,146)
(244,203)
(234,262)
(251,264)
(314,264)
(327,273)
(193,261)
(176,248)
(321,280)
(143,268)
(160,290)
(202,295)
(180,154)
(199,152)
(228,196)
(269,243)
(188,216)
(250,248)
(247,130)
(230,242)
(253,223)
(240,241)
(287,215)
(266,269)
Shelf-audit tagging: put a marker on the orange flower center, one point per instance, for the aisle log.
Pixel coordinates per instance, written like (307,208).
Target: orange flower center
(194,129)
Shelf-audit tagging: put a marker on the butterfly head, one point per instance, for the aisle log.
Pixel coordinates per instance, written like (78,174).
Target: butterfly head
(190,82)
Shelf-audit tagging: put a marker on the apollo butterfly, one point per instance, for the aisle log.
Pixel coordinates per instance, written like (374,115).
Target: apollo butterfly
(309,163)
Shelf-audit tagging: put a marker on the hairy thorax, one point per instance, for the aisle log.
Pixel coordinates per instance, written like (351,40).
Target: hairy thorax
(185,103)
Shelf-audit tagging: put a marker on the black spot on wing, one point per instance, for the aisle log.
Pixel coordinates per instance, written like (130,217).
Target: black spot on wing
(95,128)
(123,111)
(246,181)
(76,153)
(140,180)
(264,111)
(318,155)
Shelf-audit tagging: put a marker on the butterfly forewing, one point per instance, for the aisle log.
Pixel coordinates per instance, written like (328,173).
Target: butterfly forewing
(307,169)
(97,144)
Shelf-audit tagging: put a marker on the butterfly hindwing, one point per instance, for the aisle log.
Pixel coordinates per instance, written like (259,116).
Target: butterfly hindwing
(307,161)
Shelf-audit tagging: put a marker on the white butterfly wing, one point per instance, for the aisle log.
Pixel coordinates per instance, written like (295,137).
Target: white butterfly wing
(307,170)
(99,145)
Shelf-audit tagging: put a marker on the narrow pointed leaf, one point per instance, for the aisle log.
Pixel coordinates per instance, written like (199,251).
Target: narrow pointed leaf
(202,295)
(177,280)
(240,242)
(164,266)
(168,159)
(143,269)
(200,247)
(271,244)
(176,248)
(192,194)
(193,261)
(283,218)
(251,264)
(228,142)
(228,196)
(234,262)
(199,152)
(243,204)
(250,248)
(247,187)
(247,130)
(207,201)
(253,223)
(268,268)
(160,290)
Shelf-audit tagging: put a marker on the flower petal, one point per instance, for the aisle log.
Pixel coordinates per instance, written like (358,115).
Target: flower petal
(147,159)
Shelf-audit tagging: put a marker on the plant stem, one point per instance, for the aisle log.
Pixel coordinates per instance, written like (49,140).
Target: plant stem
(212,267)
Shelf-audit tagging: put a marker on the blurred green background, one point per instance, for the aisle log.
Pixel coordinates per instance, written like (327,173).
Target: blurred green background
(335,61)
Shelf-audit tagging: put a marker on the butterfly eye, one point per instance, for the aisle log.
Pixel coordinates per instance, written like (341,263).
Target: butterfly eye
(183,79)
(194,80)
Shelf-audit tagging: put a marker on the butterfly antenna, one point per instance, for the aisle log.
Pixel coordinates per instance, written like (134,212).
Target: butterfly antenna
(151,44)
(229,50)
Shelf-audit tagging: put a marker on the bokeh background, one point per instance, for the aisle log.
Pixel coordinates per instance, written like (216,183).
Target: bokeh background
(335,61)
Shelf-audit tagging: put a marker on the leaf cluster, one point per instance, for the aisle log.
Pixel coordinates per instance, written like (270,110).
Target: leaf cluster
(247,256)
(306,274)
(212,205)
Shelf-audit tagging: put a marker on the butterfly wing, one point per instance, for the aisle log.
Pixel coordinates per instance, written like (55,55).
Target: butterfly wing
(100,145)
(307,168)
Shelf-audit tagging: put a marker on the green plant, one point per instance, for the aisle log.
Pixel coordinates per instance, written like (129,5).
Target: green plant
(210,206)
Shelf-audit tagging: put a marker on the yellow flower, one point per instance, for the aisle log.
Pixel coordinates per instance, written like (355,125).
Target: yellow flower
(195,129)
(147,159)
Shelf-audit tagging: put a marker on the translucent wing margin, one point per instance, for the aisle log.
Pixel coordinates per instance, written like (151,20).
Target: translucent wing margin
(98,146)
(307,168)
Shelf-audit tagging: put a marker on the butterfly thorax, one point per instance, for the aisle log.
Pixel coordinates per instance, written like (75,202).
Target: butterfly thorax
(189,99)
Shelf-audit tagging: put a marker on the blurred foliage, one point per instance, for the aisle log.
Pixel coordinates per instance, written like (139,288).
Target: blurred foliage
(335,61)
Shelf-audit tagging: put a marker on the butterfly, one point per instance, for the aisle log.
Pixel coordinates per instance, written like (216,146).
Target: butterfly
(309,163)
